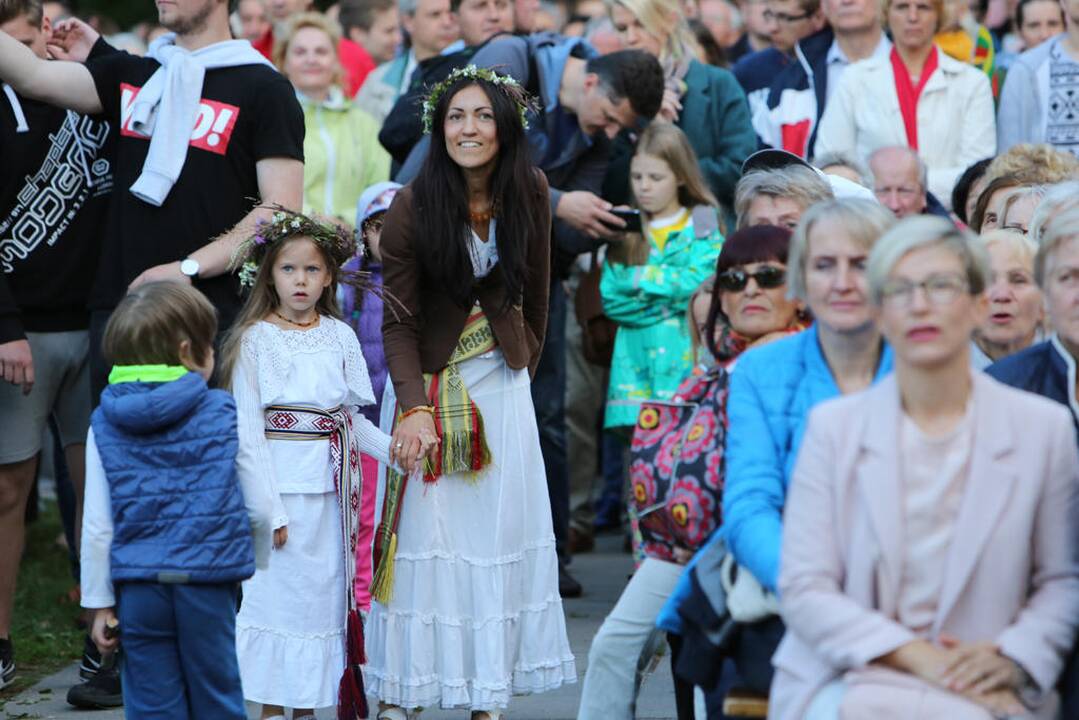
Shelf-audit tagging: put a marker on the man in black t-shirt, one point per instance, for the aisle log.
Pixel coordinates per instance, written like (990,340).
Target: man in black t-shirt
(54,191)
(245,148)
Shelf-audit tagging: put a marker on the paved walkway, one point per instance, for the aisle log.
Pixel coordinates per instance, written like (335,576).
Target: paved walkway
(603,574)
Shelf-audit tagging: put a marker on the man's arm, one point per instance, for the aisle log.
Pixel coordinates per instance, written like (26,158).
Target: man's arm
(66,84)
(280,183)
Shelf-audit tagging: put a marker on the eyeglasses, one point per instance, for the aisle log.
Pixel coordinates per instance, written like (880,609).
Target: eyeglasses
(784,18)
(939,290)
(767,277)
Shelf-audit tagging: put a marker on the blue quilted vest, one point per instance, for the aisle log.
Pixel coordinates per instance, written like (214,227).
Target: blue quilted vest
(169,452)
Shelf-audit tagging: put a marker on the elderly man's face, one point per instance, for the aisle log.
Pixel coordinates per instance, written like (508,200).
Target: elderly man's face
(896,183)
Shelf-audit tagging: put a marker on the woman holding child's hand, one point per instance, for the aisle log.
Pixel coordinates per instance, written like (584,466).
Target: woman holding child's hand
(414,440)
(465,259)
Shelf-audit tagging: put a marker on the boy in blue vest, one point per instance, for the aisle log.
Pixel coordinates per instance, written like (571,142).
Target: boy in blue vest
(167,532)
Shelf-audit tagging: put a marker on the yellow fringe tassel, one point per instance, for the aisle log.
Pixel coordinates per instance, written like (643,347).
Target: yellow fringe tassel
(382,582)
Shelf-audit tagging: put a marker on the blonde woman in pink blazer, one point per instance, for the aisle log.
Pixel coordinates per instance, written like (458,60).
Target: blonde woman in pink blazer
(930,558)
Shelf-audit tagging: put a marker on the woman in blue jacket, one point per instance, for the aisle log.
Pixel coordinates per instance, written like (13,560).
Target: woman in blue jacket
(775,386)
(704,101)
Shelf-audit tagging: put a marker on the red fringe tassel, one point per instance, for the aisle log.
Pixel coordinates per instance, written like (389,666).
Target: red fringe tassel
(351,698)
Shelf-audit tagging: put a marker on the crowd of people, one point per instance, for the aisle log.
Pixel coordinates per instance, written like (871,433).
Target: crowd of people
(348,326)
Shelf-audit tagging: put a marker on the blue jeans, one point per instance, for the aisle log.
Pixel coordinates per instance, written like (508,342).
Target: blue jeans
(180,651)
(549,399)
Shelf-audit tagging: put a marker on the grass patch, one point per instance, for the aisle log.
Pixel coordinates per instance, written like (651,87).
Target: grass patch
(43,628)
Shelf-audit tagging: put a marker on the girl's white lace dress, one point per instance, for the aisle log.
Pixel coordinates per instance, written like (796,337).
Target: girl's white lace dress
(290,631)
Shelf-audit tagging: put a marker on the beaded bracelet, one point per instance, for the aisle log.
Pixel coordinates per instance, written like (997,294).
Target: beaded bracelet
(419,408)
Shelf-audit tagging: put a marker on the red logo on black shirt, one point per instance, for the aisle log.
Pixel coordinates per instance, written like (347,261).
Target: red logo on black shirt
(213,122)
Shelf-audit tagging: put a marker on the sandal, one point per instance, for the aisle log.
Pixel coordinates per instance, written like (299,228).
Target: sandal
(392,713)
(486,715)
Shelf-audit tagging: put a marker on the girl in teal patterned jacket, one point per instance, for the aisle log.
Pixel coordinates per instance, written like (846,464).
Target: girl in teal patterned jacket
(648,278)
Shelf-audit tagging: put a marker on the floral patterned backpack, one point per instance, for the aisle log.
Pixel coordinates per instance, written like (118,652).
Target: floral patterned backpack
(676,467)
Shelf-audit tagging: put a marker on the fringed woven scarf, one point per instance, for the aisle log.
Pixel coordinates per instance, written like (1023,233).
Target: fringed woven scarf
(462,448)
(302,422)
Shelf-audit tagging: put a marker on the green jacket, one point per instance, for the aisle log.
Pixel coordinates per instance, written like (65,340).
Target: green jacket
(652,353)
(342,156)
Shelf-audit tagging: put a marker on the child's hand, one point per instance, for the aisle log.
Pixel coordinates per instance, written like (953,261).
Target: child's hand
(104,617)
(428,443)
(280,537)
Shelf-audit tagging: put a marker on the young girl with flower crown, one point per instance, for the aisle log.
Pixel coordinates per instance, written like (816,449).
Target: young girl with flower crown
(298,376)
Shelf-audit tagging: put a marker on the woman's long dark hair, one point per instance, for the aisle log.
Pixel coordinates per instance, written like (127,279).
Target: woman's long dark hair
(440,200)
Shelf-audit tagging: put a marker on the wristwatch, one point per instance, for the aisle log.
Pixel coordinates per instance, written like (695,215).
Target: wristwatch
(190,267)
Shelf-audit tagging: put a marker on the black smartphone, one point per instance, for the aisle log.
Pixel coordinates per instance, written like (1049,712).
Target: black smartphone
(632,218)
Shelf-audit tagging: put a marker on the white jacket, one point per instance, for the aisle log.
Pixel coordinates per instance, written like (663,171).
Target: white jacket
(956,119)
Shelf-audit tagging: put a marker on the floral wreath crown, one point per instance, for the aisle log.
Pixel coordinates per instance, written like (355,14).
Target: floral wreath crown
(505,83)
(338,242)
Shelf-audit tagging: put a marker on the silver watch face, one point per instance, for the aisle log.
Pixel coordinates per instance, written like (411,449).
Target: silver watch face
(189,267)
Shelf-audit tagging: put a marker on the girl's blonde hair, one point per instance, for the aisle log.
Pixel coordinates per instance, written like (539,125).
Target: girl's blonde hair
(263,300)
(669,144)
(706,288)
(664,19)
(300,22)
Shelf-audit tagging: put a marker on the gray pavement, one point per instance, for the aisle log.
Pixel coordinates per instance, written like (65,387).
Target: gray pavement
(603,574)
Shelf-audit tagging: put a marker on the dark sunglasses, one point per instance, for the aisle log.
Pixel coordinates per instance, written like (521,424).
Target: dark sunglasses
(767,277)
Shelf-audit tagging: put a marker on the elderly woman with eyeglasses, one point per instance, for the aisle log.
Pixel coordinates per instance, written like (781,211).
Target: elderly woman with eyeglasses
(930,564)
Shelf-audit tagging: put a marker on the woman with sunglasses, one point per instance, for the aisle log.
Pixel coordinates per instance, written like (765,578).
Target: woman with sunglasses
(749,307)
(929,554)
(775,386)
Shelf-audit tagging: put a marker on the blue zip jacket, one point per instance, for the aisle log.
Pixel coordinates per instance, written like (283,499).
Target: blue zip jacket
(169,453)
(773,388)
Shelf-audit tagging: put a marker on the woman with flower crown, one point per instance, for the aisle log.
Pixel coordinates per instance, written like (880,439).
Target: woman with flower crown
(298,376)
(467,611)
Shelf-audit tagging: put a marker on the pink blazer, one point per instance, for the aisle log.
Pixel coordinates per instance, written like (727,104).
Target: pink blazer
(1012,570)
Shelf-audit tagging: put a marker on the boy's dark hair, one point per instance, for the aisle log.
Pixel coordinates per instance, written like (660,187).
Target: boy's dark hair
(11,9)
(149,324)
(361,13)
(632,75)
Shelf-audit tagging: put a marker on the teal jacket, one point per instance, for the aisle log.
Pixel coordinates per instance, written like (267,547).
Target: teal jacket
(715,118)
(652,352)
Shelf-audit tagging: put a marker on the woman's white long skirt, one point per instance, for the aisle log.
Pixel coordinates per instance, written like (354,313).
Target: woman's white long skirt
(475,615)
